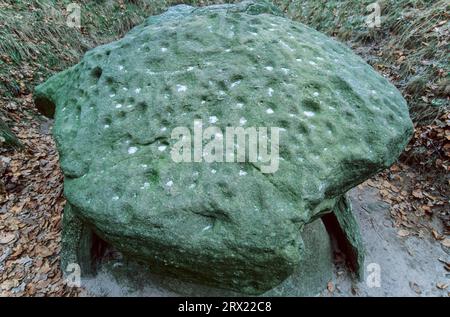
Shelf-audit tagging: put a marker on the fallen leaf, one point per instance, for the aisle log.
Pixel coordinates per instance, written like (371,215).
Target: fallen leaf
(446,242)
(415,287)
(330,287)
(417,193)
(43,251)
(403,233)
(436,235)
(7,238)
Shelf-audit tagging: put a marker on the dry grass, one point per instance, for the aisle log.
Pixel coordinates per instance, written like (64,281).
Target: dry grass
(34,34)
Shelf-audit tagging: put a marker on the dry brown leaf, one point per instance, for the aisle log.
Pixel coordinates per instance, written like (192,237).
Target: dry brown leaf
(417,193)
(6,238)
(43,251)
(436,235)
(330,287)
(403,233)
(446,242)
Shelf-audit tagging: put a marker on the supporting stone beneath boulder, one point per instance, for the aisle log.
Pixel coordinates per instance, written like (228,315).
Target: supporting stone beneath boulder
(80,245)
(342,225)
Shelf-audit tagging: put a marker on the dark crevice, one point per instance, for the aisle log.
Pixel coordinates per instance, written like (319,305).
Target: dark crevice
(341,243)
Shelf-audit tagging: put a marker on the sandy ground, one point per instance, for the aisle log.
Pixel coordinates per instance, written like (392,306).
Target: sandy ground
(407,266)
(394,266)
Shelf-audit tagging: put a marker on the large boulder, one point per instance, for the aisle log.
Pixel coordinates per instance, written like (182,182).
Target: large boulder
(229,225)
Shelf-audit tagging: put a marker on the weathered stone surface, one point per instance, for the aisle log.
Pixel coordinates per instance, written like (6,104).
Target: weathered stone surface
(308,279)
(211,223)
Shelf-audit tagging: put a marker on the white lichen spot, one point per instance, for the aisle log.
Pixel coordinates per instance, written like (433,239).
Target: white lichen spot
(203,102)
(190,68)
(137,90)
(191,186)
(207,228)
(163,129)
(163,49)
(270,92)
(115,198)
(106,126)
(235,84)
(118,106)
(285,70)
(169,184)
(291,115)
(242,173)
(286,46)
(239,105)
(120,67)
(112,95)
(242,121)
(309,114)
(299,60)
(181,88)
(146,185)
(213,119)
(312,63)
(269,68)
(228,50)
(125,88)
(269,111)
(132,150)
(316,94)
(162,148)
(213,171)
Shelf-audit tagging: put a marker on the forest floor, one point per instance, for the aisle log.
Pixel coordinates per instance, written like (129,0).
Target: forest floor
(416,189)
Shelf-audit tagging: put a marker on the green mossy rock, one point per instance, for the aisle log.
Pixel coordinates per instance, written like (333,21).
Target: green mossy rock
(211,223)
